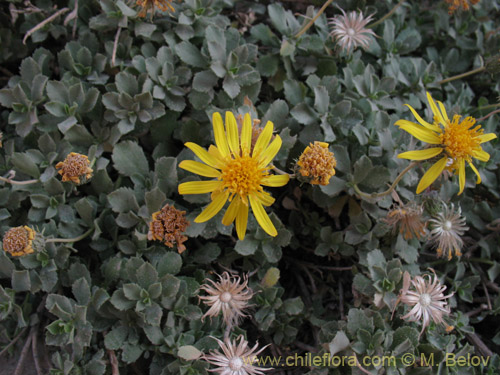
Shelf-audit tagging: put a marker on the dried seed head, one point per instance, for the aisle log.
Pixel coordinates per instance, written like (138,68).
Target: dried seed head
(236,358)
(75,168)
(349,30)
(18,241)
(409,219)
(229,295)
(317,164)
(427,301)
(167,225)
(447,228)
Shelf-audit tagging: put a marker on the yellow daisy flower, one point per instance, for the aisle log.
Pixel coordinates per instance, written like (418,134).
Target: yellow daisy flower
(240,172)
(457,141)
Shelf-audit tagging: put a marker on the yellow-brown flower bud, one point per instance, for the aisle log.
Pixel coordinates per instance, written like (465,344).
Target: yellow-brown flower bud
(317,164)
(457,4)
(18,241)
(163,5)
(167,225)
(75,168)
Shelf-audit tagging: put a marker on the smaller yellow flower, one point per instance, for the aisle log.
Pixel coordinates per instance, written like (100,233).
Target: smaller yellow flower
(167,226)
(74,167)
(18,241)
(163,5)
(456,4)
(317,163)
(456,141)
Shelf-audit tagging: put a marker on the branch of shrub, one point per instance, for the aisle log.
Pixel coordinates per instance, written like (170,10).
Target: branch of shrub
(44,22)
(311,22)
(66,240)
(391,188)
(391,12)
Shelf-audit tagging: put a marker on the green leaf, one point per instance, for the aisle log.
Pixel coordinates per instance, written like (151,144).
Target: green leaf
(272,252)
(132,291)
(21,281)
(204,81)
(362,168)
(189,54)
(170,263)
(405,333)
(129,159)
(154,200)
(304,114)
(268,65)
(25,164)
(126,83)
(321,99)
(121,302)
(293,306)
(123,200)
(246,247)
(85,210)
(340,342)
(357,319)
(115,338)
(166,174)
(81,291)
(189,353)
(146,275)
(131,353)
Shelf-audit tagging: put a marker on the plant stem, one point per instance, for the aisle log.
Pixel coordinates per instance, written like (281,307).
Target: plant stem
(13,182)
(488,115)
(489,106)
(311,22)
(482,260)
(391,12)
(76,239)
(391,188)
(279,171)
(463,75)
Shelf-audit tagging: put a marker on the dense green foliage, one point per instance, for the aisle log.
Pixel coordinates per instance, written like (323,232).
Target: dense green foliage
(129,92)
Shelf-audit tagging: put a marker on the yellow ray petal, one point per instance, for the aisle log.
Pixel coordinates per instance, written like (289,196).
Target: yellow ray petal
(275,180)
(421,154)
(481,155)
(487,137)
(199,168)
(269,153)
(478,181)
(262,217)
(461,175)
(220,134)
(219,159)
(231,211)
(443,111)
(435,109)
(422,121)
(265,198)
(263,139)
(241,221)
(431,175)
(246,133)
(232,133)
(199,187)
(201,153)
(218,201)
(419,132)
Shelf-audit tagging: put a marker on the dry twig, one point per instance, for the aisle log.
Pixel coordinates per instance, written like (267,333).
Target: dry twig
(44,22)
